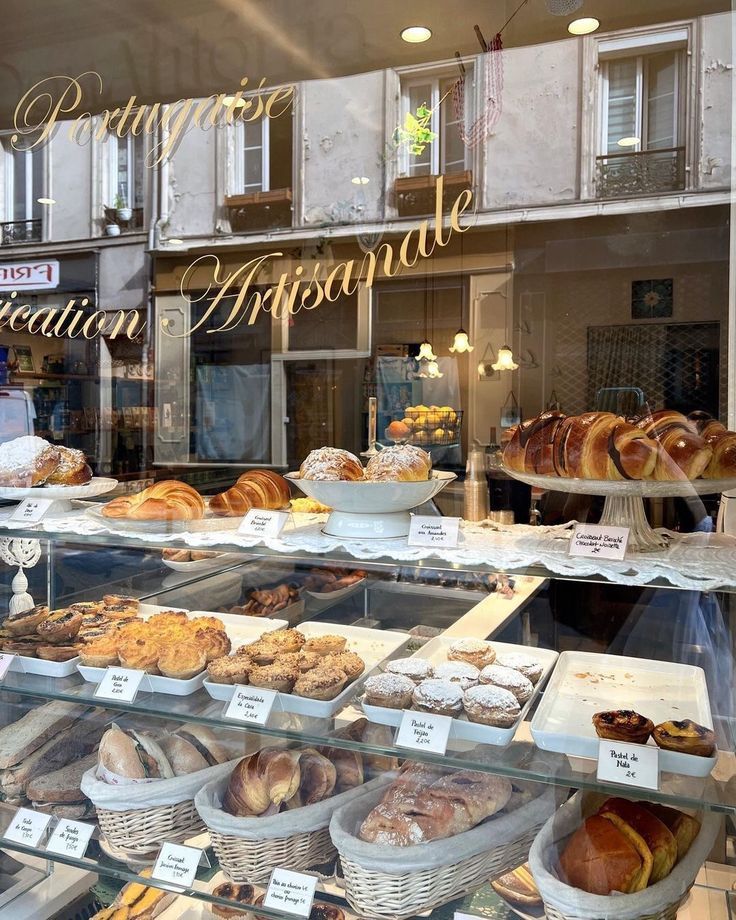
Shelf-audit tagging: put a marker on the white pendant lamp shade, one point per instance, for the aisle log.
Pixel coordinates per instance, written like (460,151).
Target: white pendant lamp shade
(505,361)
(461,343)
(433,370)
(426,353)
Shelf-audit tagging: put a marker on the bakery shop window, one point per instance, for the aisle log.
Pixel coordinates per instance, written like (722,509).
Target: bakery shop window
(643,94)
(22,217)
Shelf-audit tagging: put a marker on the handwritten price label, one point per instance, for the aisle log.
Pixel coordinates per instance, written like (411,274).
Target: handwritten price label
(70,838)
(177,864)
(250,704)
(120,684)
(27,827)
(32,510)
(258,523)
(628,764)
(422,731)
(290,892)
(599,542)
(434,531)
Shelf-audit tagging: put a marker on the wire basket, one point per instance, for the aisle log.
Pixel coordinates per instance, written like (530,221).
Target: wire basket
(436,427)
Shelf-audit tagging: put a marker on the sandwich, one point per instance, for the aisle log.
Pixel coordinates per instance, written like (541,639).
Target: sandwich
(58,793)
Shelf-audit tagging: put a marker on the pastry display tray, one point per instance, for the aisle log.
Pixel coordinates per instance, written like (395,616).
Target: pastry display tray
(219,560)
(373,646)
(585,683)
(44,668)
(462,728)
(321,599)
(210,523)
(240,629)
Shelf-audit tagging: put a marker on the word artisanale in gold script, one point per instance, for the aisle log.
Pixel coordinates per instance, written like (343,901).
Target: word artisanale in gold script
(236,297)
(59,99)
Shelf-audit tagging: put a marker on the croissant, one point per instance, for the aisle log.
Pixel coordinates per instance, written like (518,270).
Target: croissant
(723,461)
(263,780)
(168,500)
(254,489)
(530,448)
(683,452)
(318,777)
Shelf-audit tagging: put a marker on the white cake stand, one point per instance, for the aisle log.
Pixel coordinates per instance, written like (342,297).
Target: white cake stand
(371,510)
(624,505)
(62,495)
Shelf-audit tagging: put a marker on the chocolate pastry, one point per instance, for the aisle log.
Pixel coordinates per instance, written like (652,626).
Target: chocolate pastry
(623,725)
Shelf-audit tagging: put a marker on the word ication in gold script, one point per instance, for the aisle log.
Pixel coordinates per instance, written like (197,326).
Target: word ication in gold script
(62,100)
(239,296)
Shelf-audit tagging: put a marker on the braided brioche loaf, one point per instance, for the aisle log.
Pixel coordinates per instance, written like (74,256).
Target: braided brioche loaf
(168,500)
(255,489)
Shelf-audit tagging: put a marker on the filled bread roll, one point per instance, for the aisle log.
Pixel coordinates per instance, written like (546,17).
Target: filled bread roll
(657,836)
(601,857)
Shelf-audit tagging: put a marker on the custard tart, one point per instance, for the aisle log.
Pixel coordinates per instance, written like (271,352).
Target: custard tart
(623,725)
(686,736)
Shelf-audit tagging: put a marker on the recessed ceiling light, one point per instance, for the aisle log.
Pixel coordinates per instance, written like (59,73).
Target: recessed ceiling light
(360,180)
(628,141)
(416,34)
(46,200)
(583,26)
(173,241)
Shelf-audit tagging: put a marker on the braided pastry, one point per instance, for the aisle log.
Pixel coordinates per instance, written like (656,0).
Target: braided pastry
(168,500)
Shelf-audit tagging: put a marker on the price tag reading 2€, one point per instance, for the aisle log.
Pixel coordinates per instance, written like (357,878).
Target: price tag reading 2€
(434,531)
(250,704)
(628,764)
(290,892)
(257,523)
(120,684)
(594,540)
(32,510)
(422,731)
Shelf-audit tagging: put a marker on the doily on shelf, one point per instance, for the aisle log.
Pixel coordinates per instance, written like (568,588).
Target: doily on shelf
(25,554)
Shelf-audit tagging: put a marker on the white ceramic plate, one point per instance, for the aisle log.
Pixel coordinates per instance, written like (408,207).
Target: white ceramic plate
(240,629)
(373,646)
(98,485)
(373,497)
(585,683)
(45,668)
(462,729)
(321,599)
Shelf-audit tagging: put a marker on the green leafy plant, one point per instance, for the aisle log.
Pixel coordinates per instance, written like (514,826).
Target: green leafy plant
(415,132)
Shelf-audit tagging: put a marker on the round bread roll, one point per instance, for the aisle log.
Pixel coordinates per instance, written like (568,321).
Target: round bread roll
(491,706)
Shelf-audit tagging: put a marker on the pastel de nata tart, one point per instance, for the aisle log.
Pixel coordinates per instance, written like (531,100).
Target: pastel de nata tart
(686,736)
(623,725)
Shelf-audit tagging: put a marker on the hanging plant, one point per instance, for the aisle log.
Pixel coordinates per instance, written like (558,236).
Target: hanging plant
(415,132)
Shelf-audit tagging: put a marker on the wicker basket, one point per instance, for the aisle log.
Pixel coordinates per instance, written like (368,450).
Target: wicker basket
(382,890)
(254,860)
(142,830)
(249,849)
(658,902)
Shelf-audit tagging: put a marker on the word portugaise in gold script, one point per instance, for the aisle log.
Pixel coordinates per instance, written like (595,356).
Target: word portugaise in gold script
(293,292)
(58,99)
(238,294)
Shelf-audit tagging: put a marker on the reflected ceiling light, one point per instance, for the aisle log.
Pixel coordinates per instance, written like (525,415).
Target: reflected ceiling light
(505,360)
(583,26)
(46,200)
(229,100)
(173,241)
(628,141)
(461,343)
(425,352)
(360,180)
(416,34)
(433,370)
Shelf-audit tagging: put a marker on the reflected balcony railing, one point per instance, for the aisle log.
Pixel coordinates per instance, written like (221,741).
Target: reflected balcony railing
(644,172)
(20,231)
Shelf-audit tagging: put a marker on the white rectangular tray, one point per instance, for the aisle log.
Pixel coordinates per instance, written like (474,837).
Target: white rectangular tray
(585,683)
(240,629)
(45,668)
(373,646)
(463,729)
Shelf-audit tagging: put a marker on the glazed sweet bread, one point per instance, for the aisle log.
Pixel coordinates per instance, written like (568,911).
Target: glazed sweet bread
(168,500)
(331,464)
(254,489)
(400,463)
(683,452)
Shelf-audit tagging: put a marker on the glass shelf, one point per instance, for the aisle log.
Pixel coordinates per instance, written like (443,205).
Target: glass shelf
(521,760)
